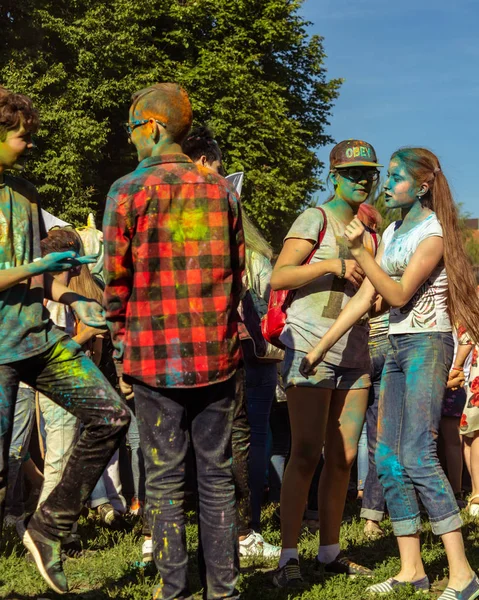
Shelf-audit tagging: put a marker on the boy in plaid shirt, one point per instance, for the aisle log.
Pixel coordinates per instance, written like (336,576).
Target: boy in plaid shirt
(174,255)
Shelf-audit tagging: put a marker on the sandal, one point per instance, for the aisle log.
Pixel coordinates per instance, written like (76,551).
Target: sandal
(473,507)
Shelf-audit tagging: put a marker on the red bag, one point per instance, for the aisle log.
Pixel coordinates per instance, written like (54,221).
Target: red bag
(274,320)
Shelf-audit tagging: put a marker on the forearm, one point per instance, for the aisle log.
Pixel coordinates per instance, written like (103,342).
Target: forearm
(56,291)
(10,277)
(289,277)
(391,291)
(463,351)
(356,308)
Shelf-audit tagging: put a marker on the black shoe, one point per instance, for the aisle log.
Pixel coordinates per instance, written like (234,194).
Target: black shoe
(47,556)
(72,547)
(289,575)
(343,566)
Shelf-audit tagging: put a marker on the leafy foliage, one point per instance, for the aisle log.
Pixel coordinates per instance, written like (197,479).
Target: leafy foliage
(249,67)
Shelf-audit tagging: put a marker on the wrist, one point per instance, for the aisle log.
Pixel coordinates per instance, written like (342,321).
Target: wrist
(357,251)
(334,266)
(72,299)
(36,267)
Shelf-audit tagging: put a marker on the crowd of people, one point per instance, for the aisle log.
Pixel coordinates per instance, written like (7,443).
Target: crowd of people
(157,330)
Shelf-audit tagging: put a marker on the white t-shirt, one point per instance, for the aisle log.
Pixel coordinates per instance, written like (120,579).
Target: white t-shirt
(427,309)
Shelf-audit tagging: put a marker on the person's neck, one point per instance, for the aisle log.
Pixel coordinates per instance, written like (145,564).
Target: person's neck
(166,148)
(415,214)
(342,209)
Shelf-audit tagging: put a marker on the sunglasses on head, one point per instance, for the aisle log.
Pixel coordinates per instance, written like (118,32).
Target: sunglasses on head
(131,125)
(359,173)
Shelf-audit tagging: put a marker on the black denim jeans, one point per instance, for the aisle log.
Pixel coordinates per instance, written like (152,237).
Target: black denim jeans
(373,503)
(167,420)
(69,378)
(241,439)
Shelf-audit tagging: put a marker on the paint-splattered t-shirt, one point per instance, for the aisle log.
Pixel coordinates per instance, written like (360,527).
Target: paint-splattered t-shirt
(25,326)
(427,309)
(317,305)
(174,256)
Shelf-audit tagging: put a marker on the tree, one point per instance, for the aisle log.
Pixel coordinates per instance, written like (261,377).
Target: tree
(249,67)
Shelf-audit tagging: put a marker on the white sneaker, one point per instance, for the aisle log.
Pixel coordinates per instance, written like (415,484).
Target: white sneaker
(254,545)
(147,550)
(10,520)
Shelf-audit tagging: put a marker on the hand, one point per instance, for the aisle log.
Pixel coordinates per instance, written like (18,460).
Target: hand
(62,261)
(354,234)
(89,312)
(456,380)
(126,389)
(354,273)
(311,361)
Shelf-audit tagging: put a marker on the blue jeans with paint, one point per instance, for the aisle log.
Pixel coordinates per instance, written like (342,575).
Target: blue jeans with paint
(412,389)
(169,419)
(23,424)
(373,497)
(137,463)
(260,388)
(69,378)
(362,459)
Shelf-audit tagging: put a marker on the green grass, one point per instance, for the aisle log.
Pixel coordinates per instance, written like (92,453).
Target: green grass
(109,571)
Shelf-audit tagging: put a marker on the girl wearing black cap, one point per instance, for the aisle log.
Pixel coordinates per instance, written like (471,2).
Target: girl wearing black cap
(327,409)
(423,273)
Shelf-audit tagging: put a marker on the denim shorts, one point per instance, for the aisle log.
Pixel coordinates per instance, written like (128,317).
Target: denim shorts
(327,376)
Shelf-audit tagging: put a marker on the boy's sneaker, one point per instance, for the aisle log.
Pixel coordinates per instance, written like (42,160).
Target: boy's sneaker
(343,566)
(47,556)
(136,507)
(289,575)
(147,550)
(255,545)
(388,586)
(471,592)
(108,515)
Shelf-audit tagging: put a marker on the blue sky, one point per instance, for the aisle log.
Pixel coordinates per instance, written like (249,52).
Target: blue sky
(411,71)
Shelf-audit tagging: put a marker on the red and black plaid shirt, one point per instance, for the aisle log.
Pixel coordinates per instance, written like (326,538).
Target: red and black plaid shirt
(174,255)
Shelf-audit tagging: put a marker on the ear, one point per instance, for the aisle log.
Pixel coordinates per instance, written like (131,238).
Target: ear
(333,178)
(423,190)
(203,160)
(154,130)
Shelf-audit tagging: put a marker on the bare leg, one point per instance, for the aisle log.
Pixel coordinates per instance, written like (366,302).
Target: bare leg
(308,413)
(474,462)
(467,441)
(412,568)
(345,423)
(460,572)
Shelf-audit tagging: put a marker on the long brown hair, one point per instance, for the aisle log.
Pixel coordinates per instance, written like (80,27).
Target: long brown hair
(463,303)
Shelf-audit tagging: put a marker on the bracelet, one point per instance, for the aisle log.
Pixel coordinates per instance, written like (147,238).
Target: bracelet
(457,368)
(343,268)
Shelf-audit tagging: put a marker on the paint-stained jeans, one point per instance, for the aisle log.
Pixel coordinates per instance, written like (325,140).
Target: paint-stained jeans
(23,424)
(165,418)
(412,390)
(69,378)
(373,497)
(62,430)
